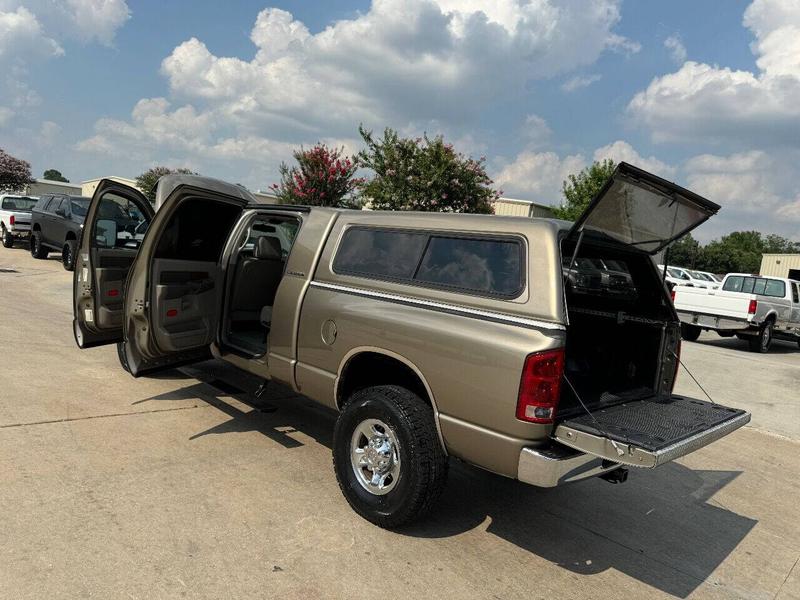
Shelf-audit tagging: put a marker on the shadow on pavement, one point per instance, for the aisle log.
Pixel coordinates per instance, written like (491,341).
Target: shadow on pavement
(658,528)
(734,343)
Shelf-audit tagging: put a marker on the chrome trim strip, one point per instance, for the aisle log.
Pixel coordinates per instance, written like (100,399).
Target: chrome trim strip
(441,306)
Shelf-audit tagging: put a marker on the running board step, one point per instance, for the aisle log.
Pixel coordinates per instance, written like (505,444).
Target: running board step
(650,432)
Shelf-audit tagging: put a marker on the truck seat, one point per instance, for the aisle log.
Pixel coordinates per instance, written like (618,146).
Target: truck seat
(257,280)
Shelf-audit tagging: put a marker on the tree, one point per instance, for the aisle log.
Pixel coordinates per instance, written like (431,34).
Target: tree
(147,181)
(686,252)
(423,174)
(54,175)
(739,251)
(15,173)
(322,177)
(579,189)
(776,244)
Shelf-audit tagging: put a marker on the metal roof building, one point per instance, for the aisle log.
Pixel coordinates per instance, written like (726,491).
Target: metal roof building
(781,265)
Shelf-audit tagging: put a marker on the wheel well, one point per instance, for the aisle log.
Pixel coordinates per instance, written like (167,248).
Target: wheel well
(372,368)
(71,236)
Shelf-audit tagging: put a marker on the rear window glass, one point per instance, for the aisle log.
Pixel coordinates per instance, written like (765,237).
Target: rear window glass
(380,254)
(18,203)
(480,265)
(600,277)
(755,285)
(475,265)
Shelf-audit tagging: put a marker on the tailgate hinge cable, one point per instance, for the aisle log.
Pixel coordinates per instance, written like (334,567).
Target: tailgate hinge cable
(617,447)
(685,368)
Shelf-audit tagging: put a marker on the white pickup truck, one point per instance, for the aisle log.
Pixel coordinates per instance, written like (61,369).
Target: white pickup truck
(752,307)
(15,217)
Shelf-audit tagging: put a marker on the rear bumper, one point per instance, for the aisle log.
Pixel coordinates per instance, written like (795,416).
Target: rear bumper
(557,465)
(716,322)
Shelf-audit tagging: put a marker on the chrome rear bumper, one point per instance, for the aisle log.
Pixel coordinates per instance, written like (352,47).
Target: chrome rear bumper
(557,464)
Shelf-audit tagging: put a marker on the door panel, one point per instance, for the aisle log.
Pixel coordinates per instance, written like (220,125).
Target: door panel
(186,299)
(116,221)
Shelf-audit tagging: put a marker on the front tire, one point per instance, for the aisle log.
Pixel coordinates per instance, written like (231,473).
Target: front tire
(68,255)
(690,333)
(387,457)
(37,250)
(8,238)
(762,342)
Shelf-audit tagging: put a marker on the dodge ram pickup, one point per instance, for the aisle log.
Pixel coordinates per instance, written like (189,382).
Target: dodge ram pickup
(434,336)
(752,307)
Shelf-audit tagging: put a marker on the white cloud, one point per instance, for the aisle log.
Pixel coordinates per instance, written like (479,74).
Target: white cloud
(538,175)
(536,130)
(96,20)
(429,65)
(620,151)
(578,82)
(701,102)
(22,36)
(677,50)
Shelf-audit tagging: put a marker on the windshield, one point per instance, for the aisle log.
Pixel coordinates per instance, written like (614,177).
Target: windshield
(80,206)
(700,276)
(18,203)
(677,273)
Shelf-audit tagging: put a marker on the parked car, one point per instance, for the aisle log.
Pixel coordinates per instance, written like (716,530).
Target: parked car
(57,221)
(681,276)
(433,335)
(711,282)
(752,307)
(15,217)
(714,278)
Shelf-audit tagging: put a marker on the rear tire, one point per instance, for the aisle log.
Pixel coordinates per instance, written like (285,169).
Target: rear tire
(8,238)
(387,457)
(68,255)
(762,342)
(37,250)
(690,333)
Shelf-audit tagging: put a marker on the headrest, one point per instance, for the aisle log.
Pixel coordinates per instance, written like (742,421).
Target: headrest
(268,247)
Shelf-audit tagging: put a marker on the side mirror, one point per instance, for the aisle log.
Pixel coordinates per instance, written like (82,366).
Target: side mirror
(61,212)
(105,233)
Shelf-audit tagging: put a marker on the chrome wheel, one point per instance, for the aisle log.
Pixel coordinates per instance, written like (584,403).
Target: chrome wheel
(766,337)
(375,456)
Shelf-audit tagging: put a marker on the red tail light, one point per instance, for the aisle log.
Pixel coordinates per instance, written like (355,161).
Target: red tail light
(172,312)
(751,310)
(540,386)
(672,294)
(12,219)
(113,293)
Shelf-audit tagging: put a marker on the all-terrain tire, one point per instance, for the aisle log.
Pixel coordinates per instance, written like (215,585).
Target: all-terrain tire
(68,255)
(422,470)
(37,250)
(762,342)
(690,333)
(8,238)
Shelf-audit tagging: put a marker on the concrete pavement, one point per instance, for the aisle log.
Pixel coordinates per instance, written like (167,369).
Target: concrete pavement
(185,485)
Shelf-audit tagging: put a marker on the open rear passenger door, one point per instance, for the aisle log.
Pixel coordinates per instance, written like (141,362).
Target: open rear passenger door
(174,297)
(113,230)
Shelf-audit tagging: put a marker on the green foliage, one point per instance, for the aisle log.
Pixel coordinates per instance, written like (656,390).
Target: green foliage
(54,175)
(579,189)
(322,177)
(423,174)
(739,251)
(147,181)
(15,173)
(686,252)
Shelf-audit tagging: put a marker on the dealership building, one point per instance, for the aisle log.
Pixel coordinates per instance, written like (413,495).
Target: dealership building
(781,265)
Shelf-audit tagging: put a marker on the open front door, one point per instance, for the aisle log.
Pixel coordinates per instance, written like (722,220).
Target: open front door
(174,298)
(113,231)
(645,211)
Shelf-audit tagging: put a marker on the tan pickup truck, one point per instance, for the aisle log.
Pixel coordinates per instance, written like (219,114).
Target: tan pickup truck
(534,348)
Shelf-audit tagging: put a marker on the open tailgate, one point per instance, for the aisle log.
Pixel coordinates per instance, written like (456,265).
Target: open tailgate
(650,432)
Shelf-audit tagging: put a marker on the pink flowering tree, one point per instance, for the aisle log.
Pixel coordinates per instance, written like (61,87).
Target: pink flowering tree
(424,174)
(15,173)
(322,177)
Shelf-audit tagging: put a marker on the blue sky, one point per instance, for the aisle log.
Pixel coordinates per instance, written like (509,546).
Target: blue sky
(707,97)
